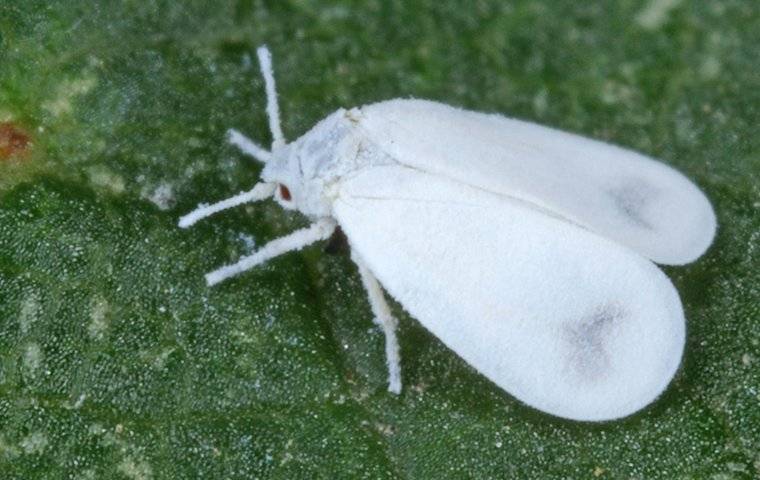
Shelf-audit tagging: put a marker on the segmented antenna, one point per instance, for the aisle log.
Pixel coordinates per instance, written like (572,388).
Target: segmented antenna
(260,191)
(273,110)
(248,146)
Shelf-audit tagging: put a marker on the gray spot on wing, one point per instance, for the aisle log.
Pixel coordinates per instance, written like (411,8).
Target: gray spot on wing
(586,340)
(631,197)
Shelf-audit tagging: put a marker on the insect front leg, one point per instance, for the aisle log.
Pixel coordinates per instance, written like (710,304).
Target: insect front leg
(385,320)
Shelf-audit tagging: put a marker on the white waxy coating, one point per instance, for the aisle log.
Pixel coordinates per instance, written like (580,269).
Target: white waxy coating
(618,193)
(567,321)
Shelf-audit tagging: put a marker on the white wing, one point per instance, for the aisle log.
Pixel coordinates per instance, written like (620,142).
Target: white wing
(618,193)
(567,321)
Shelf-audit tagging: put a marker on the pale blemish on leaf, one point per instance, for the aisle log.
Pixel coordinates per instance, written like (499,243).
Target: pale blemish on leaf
(615,92)
(34,443)
(736,467)
(385,429)
(710,68)
(77,404)
(96,429)
(32,359)
(103,178)
(541,101)
(157,359)
(161,196)
(746,359)
(135,469)
(8,450)
(30,309)
(249,243)
(98,325)
(67,92)
(656,13)
(87,475)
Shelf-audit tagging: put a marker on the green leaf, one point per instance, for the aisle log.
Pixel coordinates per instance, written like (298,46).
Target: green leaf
(116,361)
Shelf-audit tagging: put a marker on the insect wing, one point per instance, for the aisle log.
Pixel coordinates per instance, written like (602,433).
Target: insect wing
(618,193)
(567,321)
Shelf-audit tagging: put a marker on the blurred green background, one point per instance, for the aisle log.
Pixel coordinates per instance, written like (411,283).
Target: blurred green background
(116,361)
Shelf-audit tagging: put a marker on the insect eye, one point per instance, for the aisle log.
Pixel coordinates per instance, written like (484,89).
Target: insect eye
(285,193)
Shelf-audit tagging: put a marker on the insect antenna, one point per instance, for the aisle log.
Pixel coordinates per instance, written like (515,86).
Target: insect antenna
(260,191)
(245,144)
(273,110)
(248,146)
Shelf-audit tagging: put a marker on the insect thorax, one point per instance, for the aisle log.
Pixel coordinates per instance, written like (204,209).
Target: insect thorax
(311,166)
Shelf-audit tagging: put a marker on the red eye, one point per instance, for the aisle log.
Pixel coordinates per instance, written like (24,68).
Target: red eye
(284,193)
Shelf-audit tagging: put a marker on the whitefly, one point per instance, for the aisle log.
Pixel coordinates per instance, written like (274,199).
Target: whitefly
(526,250)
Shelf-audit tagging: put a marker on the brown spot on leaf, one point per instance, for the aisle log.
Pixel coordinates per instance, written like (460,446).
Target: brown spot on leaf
(13,140)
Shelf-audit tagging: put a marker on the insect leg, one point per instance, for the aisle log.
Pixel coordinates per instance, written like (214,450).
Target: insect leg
(319,230)
(259,192)
(384,319)
(248,146)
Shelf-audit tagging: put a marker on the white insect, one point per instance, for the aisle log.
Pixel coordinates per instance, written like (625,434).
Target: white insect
(526,250)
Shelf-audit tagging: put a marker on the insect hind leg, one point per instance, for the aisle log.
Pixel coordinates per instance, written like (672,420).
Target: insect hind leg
(385,320)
